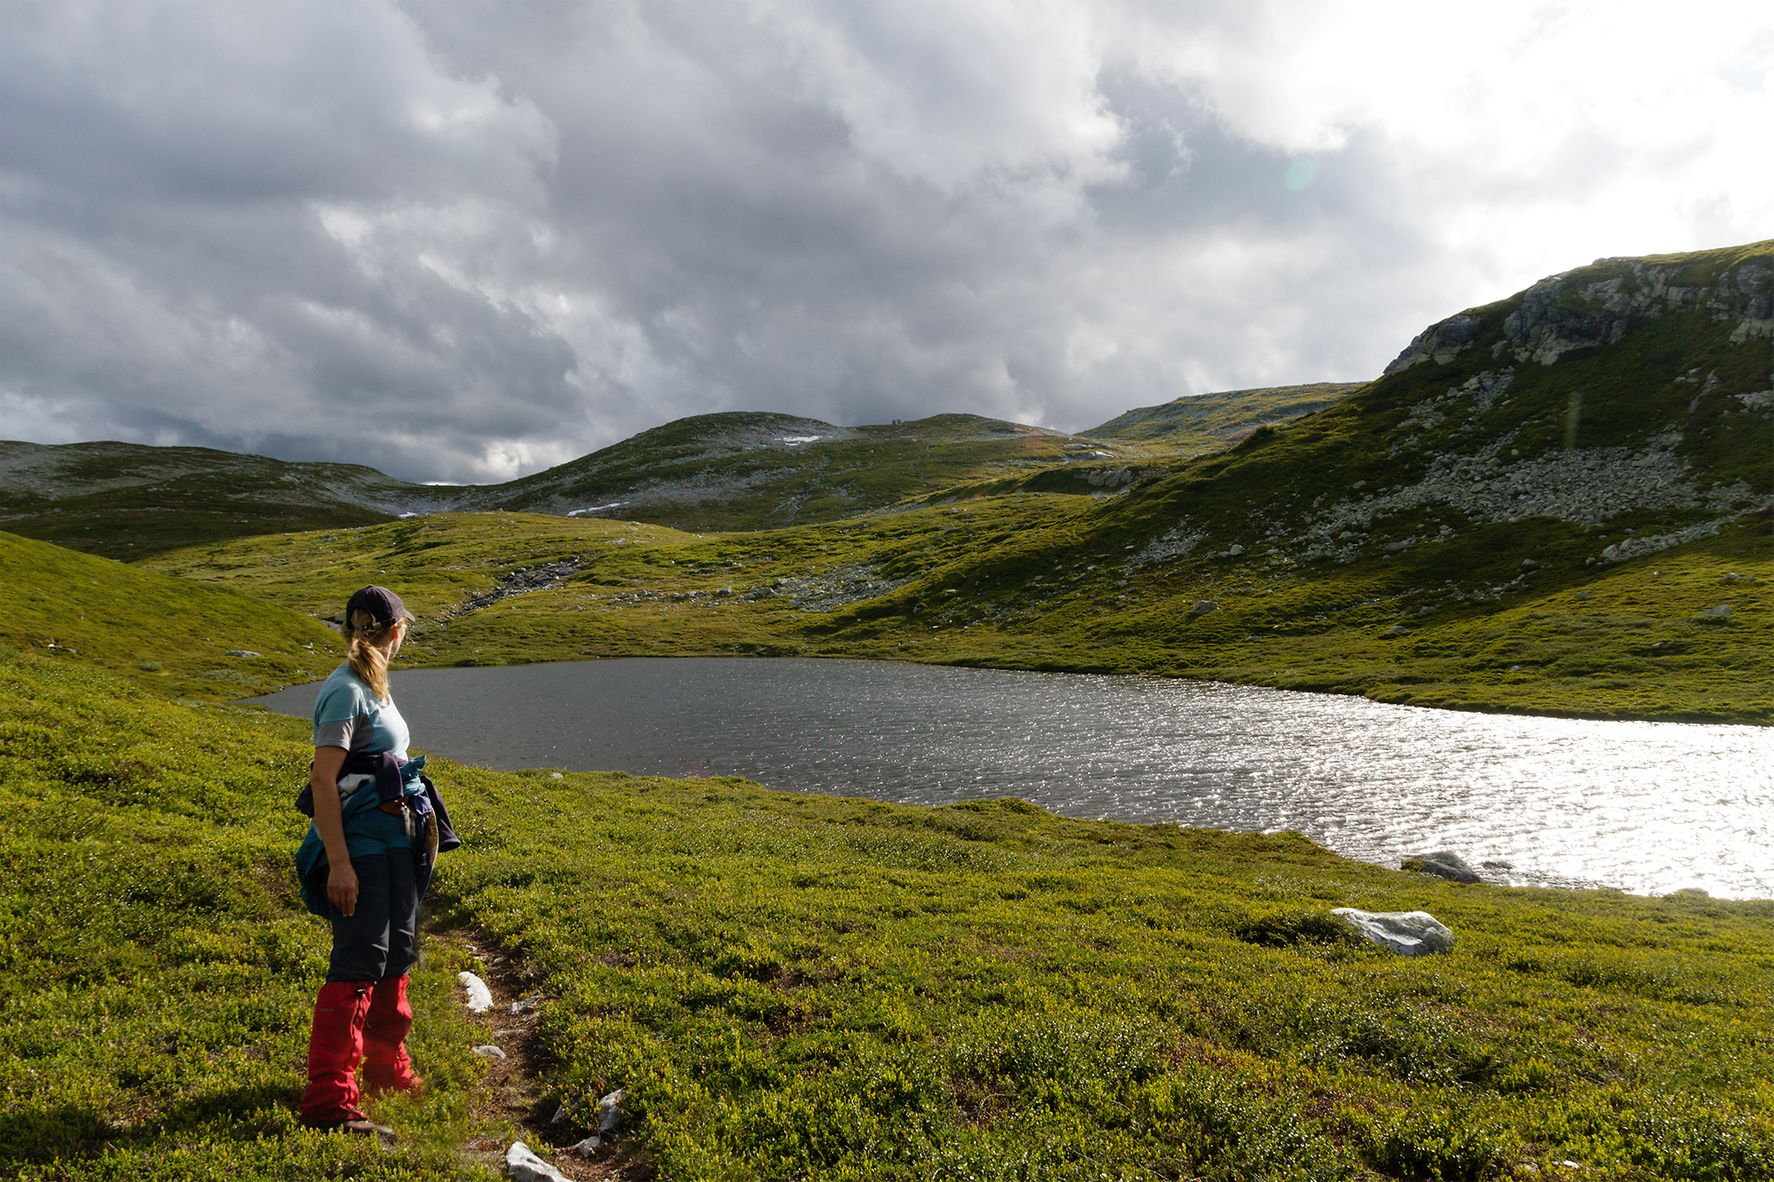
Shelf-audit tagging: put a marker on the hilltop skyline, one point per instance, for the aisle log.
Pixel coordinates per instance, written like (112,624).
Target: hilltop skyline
(499,239)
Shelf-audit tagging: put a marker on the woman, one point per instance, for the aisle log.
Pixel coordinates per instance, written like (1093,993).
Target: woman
(364,865)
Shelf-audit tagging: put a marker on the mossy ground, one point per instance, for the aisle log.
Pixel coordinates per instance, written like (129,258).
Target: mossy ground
(156,967)
(793,986)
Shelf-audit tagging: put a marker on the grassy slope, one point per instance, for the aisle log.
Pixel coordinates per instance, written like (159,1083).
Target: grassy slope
(793,986)
(982,583)
(170,633)
(156,967)
(640,589)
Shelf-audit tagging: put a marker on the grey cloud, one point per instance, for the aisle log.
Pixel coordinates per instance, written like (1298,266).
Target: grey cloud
(518,230)
(769,260)
(170,276)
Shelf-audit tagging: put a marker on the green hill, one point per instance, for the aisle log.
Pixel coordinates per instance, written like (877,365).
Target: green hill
(718,471)
(176,635)
(759,471)
(126,500)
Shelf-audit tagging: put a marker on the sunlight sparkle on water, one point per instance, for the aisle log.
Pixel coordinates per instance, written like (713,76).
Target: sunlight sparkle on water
(1648,807)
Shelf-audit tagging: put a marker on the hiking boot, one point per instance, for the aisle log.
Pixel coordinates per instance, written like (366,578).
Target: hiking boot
(361,1125)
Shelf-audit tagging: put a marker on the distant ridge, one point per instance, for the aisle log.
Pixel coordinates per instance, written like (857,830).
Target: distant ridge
(125,500)
(725,471)
(752,470)
(1216,420)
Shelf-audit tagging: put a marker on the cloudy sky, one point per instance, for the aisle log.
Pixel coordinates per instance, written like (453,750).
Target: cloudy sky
(468,239)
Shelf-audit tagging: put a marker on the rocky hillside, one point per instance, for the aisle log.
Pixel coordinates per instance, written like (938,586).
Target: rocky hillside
(1627,406)
(1607,413)
(1558,501)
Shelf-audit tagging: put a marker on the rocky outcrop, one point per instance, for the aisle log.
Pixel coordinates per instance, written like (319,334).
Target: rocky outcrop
(1544,328)
(1439,343)
(1442,864)
(1109,478)
(1478,451)
(1589,486)
(522,1164)
(544,577)
(1596,306)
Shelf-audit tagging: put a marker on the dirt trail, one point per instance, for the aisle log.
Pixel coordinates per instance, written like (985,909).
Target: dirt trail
(511,1093)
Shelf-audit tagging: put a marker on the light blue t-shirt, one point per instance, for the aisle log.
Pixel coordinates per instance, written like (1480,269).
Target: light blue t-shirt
(349,715)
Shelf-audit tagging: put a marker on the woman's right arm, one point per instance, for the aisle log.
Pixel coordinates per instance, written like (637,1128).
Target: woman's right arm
(329,820)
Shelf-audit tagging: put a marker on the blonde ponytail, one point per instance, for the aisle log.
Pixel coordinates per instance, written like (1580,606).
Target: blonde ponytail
(364,652)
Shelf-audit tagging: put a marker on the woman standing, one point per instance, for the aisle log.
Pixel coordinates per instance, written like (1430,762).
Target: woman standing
(364,866)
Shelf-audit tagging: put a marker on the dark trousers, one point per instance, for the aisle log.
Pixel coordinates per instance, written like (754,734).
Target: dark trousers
(381,938)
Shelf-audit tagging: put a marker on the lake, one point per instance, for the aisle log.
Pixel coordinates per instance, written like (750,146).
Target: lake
(1645,807)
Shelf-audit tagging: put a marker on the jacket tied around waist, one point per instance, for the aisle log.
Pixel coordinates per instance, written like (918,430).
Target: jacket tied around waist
(368,781)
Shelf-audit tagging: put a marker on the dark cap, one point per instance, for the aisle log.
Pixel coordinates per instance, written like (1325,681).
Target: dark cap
(380,602)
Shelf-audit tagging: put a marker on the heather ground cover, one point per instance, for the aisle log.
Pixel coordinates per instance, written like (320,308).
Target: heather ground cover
(793,986)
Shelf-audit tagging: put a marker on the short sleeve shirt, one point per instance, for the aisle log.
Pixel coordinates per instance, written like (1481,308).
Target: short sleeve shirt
(348,715)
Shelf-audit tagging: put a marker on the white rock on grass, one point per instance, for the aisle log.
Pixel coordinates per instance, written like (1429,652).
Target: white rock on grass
(480,998)
(488,1051)
(609,1111)
(1408,933)
(523,1164)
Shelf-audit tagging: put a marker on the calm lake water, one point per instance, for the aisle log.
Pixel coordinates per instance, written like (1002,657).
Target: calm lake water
(1646,807)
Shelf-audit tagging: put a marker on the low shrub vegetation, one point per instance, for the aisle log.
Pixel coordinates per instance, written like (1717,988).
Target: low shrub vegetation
(794,986)
(1031,581)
